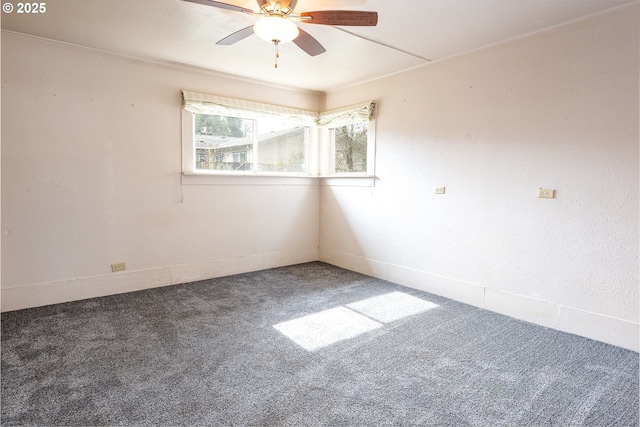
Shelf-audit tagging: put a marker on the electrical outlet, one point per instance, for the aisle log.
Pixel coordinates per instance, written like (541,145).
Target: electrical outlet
(440,190)
(120,266)
(546,193)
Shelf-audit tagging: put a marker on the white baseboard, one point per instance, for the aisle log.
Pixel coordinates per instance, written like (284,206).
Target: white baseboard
(38,294)
(611,330)
(601,328)
(185,273)
(47,293)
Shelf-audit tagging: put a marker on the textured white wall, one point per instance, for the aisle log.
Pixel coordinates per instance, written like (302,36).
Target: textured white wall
(91,158)
(557,110)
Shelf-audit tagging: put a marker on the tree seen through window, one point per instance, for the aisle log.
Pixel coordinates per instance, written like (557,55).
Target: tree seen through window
(350,148)
(221,125)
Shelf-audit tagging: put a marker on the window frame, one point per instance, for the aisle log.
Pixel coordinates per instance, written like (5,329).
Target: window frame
(319,150)
(371,153)
(189,160)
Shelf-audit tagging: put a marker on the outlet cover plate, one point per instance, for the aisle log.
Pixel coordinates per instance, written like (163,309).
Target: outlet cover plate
(546,193)
(119,266)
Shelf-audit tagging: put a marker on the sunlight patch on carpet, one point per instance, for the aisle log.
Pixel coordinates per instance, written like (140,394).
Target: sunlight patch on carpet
(391,307)
(327,327)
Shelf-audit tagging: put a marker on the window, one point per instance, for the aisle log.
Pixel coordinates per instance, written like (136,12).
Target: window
(226,136)
(225,143)
(349,148)
(229,136)
(351,140)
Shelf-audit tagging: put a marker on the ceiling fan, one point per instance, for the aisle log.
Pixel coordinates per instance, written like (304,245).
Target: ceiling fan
(276,23)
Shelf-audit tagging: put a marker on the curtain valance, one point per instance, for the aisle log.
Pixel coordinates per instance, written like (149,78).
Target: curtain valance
(362,112)
(204,103)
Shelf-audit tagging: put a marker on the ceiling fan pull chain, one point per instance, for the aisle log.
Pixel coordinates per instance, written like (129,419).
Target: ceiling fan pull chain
(276,42)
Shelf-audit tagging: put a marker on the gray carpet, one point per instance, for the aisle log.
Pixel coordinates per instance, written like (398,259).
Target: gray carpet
(207,353)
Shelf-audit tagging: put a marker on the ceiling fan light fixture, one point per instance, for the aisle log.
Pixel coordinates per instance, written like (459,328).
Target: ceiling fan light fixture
(276,29)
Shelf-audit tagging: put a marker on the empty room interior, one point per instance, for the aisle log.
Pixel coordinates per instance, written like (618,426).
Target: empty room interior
(369,213)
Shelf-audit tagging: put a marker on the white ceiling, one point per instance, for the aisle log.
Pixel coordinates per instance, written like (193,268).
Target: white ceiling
(418,31)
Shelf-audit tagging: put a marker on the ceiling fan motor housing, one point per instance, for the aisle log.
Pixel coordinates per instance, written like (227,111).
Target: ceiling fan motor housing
(272,6)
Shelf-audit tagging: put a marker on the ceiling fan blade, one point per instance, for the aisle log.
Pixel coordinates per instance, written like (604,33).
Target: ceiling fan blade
(312,4)
(221,5)
(306,42)
(342,17)
(237,36)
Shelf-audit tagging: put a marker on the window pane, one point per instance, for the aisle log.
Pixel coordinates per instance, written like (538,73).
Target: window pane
(223,143)
(350,148)
(282,147)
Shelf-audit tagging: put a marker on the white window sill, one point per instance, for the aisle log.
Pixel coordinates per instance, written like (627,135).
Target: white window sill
(193,178)
(348,180)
